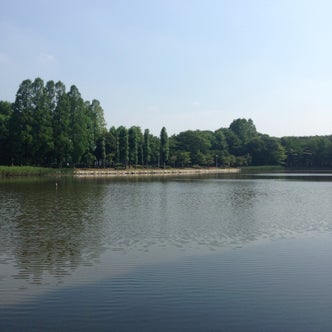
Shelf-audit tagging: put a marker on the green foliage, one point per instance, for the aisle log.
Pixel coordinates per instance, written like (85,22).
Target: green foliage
(112,147)
(266,150)
(10,171)
(122,134)
(303,152)
(47,126)
(146,147)
(164,147)
(5,116)
(135,145)
(197,144)
(63,144)
(244,129)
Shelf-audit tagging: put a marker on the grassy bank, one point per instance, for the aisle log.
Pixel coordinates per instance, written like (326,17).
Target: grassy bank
(12,171)
(280,169)
(262,169)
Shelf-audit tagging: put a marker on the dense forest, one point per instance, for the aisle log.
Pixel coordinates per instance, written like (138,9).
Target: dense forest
(49,126)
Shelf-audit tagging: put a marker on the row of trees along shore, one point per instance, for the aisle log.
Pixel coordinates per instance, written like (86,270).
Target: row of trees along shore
(49,126)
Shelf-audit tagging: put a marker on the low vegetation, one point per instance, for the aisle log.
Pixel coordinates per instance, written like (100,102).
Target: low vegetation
(7,171)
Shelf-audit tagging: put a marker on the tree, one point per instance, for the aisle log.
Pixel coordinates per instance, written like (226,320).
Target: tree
(219,141)
(164,147)
(266,150)
(233,142)
(147,147)
(181,158)
(244,129)
(96,114)
(42,129)
(100,151)
(21,125)
(79,124)
(155,150)
(97,124)
(123,145)
(5,116)
(112,146)
(63,144)
(50,92)
(134,145)
(294,151)
(197,143)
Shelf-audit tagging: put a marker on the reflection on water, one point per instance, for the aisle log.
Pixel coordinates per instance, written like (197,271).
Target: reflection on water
(48,230)
(53,229)
(86,229)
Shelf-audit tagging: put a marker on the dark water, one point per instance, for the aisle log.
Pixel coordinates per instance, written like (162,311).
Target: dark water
(232,253)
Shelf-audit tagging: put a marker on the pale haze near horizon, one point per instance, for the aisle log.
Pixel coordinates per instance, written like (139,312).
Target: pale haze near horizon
(179,64)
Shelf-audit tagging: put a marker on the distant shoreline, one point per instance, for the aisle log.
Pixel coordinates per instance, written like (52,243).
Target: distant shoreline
(107,172)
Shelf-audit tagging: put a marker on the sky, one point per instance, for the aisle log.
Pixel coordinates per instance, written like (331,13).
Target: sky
(182,64)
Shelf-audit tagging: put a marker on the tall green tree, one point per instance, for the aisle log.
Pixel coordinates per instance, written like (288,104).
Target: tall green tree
(112,146)
(79,123)
(62,131)
(31,124)
(5,116)
(155,150)
(244,129)
(42,129)
(97,122)
(51,95)
(164,147)
(134,145)
(100,151)
(21,125)
(147,147)
(123,145)
(96,113)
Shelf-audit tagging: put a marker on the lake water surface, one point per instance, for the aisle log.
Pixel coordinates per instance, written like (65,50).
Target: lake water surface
(209,253)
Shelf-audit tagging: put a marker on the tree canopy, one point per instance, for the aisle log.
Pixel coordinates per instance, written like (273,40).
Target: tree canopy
(49,126)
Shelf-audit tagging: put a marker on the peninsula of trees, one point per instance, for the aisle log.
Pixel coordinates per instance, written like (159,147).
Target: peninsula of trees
(50,126)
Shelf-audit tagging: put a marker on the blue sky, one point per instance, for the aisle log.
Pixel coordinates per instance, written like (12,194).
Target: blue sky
(182,64)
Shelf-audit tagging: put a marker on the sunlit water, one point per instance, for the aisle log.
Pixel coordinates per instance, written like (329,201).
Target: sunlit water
(207,253)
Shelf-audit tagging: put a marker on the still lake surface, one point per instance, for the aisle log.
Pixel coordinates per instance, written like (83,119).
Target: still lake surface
(209,253)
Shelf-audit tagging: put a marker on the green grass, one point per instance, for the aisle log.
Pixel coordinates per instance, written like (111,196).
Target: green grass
(11,171)
(262,169)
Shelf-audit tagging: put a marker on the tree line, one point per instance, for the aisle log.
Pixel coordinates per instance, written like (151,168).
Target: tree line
(50,126)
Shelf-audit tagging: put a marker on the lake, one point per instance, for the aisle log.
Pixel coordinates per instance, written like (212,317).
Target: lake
(234,252)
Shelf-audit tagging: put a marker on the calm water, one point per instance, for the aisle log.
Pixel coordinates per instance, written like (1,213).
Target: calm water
(234,253)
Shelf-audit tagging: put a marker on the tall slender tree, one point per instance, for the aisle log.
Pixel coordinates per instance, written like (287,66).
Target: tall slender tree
(79,123)
(21,125)
(123,145)
(42,133)
(112,146)
(135,145)
(5,116)
(147,147)
(63,144)
(164,147)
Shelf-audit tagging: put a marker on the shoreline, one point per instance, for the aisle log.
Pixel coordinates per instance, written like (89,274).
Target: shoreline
(107,172)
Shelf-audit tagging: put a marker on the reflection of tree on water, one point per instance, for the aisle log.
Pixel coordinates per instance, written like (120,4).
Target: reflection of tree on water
(54,232)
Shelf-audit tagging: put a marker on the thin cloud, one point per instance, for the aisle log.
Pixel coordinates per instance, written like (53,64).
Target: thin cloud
(47,58)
